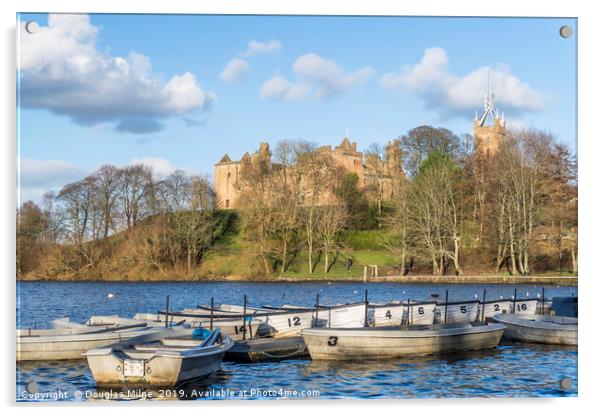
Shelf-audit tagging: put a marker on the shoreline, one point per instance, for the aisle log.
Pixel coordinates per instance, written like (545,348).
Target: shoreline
(408,279)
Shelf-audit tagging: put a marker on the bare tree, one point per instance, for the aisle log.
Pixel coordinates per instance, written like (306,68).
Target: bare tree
(107,183)
(318,178)
(331,222)
(287,182)
(435,211)
(134,186)
(375,159)
(257,212)
(398,237)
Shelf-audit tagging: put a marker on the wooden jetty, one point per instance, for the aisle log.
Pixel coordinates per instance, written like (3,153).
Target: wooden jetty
(267,350)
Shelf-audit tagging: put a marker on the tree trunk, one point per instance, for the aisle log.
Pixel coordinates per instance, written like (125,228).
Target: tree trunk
(189,260)
(266,265)
(512,245)
(574,258)
(310,253)
(284,255)
(326,262)
(457,256)
(435,267)
(501,256)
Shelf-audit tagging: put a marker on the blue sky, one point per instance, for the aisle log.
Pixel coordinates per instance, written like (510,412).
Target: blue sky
(152,88)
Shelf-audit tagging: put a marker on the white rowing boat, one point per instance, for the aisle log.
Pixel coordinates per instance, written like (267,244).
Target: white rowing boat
(527,306)
(394,342)
(233,325)
(343,315)
(458,312)
(539,328)
(68,340)
(394,314)
(168,358)
(493,307)
(340,315)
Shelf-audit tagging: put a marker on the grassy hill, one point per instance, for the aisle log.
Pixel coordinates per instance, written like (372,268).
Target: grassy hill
(125,256)
(230,257)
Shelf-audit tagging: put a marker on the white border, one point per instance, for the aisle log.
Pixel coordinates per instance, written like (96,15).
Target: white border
(589,158)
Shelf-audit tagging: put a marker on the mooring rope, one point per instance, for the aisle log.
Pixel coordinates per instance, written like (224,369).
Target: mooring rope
(300,349)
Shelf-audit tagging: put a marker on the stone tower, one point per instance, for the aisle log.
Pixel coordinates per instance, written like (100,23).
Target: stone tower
(224,182)
(489,128)
(227,173)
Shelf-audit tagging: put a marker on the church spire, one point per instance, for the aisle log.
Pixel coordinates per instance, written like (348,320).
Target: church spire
(488,104)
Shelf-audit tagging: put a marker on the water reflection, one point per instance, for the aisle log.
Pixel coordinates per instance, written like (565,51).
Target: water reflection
(206,388)
(413,362)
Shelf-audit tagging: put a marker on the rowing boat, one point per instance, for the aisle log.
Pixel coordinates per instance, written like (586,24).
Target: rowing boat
(493,307)
(68,340)
(167,358)
(394,314)
(400,341)
(527,306)
(233,325)
(458,312)
(539,328)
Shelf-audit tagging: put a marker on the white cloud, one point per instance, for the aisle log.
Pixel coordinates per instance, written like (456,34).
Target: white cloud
(451,94)
(255,47)
(47,173)
(318,78)
(63,71)
(279,88)
(39,176)
(234,70)
(161,167)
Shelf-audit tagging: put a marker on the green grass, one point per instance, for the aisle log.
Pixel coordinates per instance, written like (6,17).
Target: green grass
(372,240)
(300,267)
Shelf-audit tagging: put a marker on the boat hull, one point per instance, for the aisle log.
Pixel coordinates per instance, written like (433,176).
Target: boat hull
(352,315)
(234,327)
(162,368)
(492,308)
(160,371)
(267,350)
(67,347)
(461,312)
(540,329)
(394,342)
(524,306)
(392,314)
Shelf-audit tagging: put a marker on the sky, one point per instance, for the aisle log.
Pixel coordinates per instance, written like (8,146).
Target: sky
(180,91)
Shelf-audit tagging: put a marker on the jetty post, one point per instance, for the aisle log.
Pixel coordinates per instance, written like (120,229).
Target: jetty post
(543,300)
(514,302)
(166,309)
(317,307)
(366,308)
(446,299)
(244,317)
(211,318)
(484,298)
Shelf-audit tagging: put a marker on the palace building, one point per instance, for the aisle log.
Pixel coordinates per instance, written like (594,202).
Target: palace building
(370,169)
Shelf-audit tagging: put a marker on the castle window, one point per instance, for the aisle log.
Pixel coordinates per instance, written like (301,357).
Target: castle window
(227,200)
(228,179)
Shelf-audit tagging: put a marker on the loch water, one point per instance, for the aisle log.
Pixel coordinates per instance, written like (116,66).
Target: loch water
(511,370)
